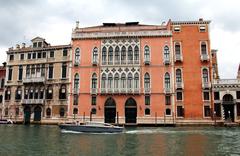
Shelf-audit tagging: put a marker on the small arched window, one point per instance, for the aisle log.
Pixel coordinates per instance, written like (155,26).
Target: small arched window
(146,81)
(168,111)
(110,81)
(130,55)
(94,111)
(136,80)
(129,82)
(76,83)
(94,81)
(116,80)
(203,48)
(178,75)
(48,112)
(136,55)
(123,55)
(147,111)
(117,55)
(75,111)
(205,75)
(104,55)
(146,54)
(104,79)
(110,55)
(123,80)
(95,55)
(77,56)
(167,80)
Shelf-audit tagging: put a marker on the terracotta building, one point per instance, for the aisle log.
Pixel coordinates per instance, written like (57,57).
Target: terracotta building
(2,81)
(37,82)
(130,73)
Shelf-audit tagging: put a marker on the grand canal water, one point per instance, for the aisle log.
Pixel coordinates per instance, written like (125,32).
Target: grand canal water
(20,140)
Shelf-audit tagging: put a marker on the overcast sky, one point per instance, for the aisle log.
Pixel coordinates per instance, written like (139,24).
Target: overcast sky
(22,20)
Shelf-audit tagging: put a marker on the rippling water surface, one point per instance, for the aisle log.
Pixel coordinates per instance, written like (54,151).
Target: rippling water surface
(50,141)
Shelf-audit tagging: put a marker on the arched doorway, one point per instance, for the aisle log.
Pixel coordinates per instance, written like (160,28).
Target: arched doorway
(27,114)
(130,111)
(228,107)
(37,113)
(110,111)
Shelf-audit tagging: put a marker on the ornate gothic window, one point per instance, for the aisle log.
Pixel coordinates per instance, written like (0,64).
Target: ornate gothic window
(94,81)
(129,82)
(205,75)
(95,55)
(104,55)
(146,81)
(110,81)
(146,54)
(136,80)
(104,79)
(77,56)
(136,55)
(130,55)
(116,81)
(117,55)
(178,75)
(123,55)
(76,82)
(167,80)
(110,55)
(123,80)
(166,53)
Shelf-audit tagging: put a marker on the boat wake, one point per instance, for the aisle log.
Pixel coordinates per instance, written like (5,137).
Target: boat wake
(68,131)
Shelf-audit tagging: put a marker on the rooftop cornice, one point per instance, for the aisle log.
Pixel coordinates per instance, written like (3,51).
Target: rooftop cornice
(189,22)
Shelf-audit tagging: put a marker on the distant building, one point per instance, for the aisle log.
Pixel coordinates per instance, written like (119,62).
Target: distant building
(2,81)
(37,82)
(131,73)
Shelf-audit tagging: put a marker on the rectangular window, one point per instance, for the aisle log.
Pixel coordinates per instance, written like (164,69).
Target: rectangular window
(206,96)
(238,94)
(50,71)
(34,44)
(202,28)
(11,57)
(177,28)
(216,96)
(65,52)
(20,72)
(44,54)
(29,55)
(207,111)
(238,109)
(34,56)
(168,100)
(147,100)
(2,83)
(180,111)
(75,99)
(39,44)
(94,100)
(10,73)
(51,53)
(217,109)
(64,70)
(179,96)
(39,55)
(22,57)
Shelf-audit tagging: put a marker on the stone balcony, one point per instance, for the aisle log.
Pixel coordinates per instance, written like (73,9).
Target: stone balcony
(120,90)
(179,85)
(167,90)
(34,80)
(178,58)
(204,57)
(32,101)
(94,90)
(206,85)
(166,61)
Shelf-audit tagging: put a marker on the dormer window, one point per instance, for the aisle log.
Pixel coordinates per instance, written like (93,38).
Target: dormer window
(39,44)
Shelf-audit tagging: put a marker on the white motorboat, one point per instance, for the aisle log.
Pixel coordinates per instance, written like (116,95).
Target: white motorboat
(6,121)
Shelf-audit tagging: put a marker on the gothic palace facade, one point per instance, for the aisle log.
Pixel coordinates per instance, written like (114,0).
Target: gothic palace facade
(122,73)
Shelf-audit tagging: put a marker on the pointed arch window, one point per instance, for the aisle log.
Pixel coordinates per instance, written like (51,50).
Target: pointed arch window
(49,94)
(110,55)
(123,55)
(178,76)
(110,81)
(146,54)
(130,55)
(104,79)
(95,55)
(18,94)
(123,80)
(129,82)
(116,81)
(104,55)
(205,75)
(136,55)
(63,92)
(76,83)
(136,80)
(147,81)
(167,80)
(94,81)
(166,55)
(77,56)
(117,55)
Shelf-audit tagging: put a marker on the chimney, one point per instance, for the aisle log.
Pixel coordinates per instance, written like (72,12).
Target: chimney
(17,46)
(77,24)
(4,64)
(23,45)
